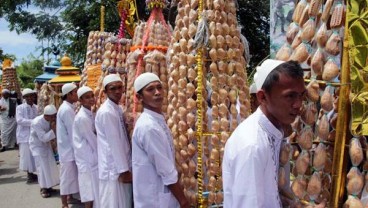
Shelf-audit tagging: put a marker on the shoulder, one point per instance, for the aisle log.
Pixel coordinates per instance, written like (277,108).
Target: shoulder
(246,135)
(146,122)
(21,106)
(36,120)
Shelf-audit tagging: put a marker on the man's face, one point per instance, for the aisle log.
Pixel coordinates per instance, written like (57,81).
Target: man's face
(152,96)
(114,91)
(29,99)
(283,103)
(50,118)
(5,95)
(87,100)
(73,96)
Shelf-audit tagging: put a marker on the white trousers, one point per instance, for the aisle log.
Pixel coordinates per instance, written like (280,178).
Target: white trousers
(26,160)
(115,194)
(68,178)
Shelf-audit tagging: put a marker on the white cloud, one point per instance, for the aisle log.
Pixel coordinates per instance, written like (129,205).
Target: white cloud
(13,39)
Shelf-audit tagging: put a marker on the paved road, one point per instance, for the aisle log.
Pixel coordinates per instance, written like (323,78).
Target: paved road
(15,193)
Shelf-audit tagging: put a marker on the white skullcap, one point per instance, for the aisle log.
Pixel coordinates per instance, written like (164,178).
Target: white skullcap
(264,70)
(144,79)
(68,87)
(81,91)
(253,88)
(5,91)
(27,91)
(50,110)
(111,78)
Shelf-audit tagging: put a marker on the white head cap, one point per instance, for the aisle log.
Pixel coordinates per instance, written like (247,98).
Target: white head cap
(50,110)
(68,87)
(253,88)
(81,91)
(264,70)
(27,91)
(144,79)
(5,91)
(111,78)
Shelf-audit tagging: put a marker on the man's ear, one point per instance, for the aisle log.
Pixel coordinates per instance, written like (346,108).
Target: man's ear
(139,97)
(261,96)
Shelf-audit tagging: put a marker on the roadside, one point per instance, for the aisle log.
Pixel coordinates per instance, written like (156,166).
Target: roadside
(15,193)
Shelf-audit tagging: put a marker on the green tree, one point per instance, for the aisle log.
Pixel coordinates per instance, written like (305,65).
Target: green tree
(28,70)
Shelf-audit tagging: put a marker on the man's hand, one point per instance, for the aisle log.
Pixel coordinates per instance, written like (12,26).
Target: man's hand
(53,126)
(2,108)
(125,177)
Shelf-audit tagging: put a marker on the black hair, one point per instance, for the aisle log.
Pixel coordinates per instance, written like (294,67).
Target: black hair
(64,97)
(289,68)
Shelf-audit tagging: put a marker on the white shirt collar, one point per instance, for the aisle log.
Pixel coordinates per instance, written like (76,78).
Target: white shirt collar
(154,114)
(112,103)
(69,104)
(88,112)
(267,126)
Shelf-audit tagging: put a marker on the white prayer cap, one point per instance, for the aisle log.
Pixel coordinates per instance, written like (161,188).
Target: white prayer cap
(253,88)
(264,70)
(27,91)
(111,78)
(68,87)
(50,110)
(5,91)
(144,79)
(81,91)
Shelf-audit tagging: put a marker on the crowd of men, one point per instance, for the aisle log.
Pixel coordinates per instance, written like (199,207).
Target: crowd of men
(99,161)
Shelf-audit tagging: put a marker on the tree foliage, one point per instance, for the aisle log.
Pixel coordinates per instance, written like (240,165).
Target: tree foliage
(28,70)
(67,23)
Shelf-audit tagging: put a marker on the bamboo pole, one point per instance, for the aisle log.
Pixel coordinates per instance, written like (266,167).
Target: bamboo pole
(339,158)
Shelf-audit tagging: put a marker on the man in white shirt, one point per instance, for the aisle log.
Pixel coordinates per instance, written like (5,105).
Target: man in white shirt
(42,132)
(113,147)
(25,113)
(64,129)
(85,148)
(8,123)
(155,178)
(251,158)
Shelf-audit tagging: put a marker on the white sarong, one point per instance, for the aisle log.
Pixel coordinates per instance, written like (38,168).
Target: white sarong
(115,194)
(68,178)
(88,187)
(26,160)
(47,170)
(8,132)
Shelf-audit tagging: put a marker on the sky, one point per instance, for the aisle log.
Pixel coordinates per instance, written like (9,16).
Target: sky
(19,45)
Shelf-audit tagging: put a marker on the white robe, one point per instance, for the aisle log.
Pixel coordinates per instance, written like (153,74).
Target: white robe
(85,152)
(153,162)
(24,116)
(8,125)
(114,155)
(64,132)
(250,164)
(41,149)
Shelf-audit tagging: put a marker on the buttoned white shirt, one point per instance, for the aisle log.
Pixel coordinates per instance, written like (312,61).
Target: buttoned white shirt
(64,131)
(85,140)
(24,115)
(41,134)
(113,146)
(250,164)
(153,162)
